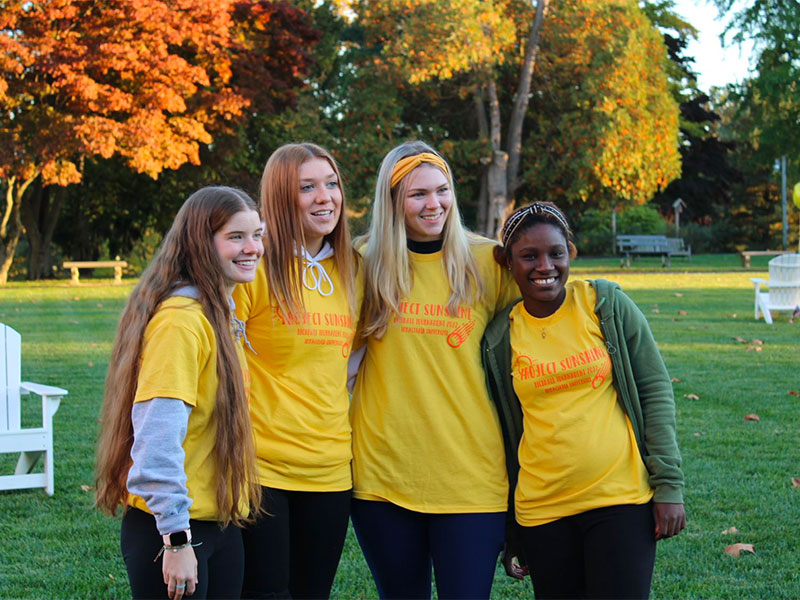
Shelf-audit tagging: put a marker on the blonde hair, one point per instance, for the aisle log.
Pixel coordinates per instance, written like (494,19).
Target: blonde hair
(388,275)
(280,188)
(186,257)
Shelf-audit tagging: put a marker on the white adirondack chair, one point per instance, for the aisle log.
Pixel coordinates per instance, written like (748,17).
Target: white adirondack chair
(783,284)
(30,442)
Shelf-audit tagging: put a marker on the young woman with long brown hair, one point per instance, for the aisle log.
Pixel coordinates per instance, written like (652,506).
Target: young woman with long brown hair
(176,446)
(301,315)
(430,483)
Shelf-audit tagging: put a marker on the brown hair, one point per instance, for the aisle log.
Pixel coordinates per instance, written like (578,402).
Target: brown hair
(280,188)
(186,257)
(526,217)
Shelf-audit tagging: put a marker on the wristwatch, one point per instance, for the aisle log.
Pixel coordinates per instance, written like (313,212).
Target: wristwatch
(177,538)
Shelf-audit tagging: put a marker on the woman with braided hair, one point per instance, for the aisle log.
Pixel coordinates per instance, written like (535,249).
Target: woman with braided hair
(588,418)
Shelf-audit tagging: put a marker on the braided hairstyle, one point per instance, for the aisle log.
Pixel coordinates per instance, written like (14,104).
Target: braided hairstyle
(526,217)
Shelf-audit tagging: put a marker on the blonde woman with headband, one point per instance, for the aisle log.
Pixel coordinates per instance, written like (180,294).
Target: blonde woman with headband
(429,474)
(301,316)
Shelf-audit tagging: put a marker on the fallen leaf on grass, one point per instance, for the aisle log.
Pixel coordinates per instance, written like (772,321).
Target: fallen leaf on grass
(679,295)
(794,393)
(86,488)
(756,348)
(796,482)
(757,342)
(692,396)
(111,575)
(682,312)
(735,549)
(91,364)
(730,530)
(752,417)
(740,339)
(676,380)
(734,315)
(697,434)
(655,310)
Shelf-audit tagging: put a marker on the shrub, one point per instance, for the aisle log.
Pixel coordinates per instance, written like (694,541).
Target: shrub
(593,227)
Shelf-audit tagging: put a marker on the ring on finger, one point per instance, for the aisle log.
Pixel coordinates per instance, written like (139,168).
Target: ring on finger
(180,587)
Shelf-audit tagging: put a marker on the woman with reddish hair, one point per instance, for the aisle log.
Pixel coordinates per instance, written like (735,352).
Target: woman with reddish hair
(301,313)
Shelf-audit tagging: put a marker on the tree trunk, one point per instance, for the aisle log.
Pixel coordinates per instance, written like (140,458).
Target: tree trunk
(501,179)
(39,216)
(10,224)
(521,100)
(496,173)
(483,129)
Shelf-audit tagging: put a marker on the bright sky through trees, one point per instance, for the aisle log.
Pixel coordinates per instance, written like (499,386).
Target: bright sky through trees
(716,65)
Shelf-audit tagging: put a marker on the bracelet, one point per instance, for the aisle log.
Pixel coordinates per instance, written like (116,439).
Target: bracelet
(168,548)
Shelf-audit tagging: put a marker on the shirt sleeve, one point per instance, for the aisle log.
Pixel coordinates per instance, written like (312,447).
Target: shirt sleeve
(657,400)
(354,365)
(157,474)
(175,352)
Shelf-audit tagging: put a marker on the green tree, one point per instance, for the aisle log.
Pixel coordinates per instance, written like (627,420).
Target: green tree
(435,40)
(604,124)
(576,106)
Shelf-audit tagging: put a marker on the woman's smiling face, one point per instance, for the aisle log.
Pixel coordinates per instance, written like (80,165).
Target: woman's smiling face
(539,261)
(320,201)
(427,202)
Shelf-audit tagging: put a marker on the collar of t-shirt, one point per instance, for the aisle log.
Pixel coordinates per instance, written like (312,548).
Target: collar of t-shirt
(424,247)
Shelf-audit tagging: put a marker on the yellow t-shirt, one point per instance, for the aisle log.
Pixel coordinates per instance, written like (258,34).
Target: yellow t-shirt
(425,434)
(578,450)
(299,402)
(179,360)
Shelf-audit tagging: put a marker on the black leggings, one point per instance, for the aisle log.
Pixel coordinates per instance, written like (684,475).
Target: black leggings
(220,557)
(293,551)
(602,553)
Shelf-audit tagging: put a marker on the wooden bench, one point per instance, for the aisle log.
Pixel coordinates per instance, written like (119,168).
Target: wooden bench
(677,247)
(638,245)
(746,254)
(75,265)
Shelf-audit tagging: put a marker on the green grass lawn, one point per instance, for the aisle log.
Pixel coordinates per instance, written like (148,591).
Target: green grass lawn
(738,472)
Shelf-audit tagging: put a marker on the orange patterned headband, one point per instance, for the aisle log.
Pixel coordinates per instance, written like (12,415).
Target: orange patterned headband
(404,166)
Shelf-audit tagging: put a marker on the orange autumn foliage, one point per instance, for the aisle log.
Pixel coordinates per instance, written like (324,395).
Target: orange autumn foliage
(151,81)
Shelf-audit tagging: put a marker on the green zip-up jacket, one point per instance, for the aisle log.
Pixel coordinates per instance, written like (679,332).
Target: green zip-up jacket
(640,377)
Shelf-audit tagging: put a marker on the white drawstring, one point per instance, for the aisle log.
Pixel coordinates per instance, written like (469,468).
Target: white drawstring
(237,325)
(315,277)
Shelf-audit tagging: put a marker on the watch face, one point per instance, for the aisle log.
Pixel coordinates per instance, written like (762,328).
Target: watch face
(179,538)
